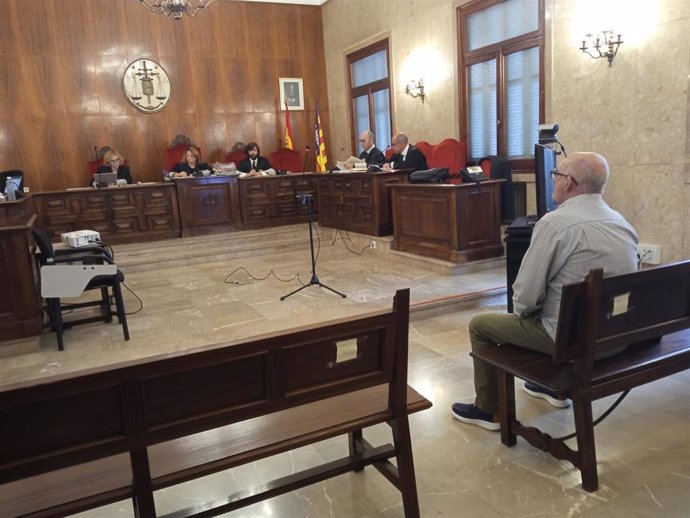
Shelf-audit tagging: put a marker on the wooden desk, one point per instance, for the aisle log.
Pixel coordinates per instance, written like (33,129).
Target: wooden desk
(457,223)
(140,212)
(208,204)
(268,201)
(359,202)
(20,307)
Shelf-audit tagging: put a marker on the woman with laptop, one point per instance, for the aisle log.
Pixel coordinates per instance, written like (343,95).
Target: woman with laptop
(190,165)
(114,163)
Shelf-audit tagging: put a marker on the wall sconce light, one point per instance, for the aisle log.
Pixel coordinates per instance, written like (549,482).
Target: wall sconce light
(604,40)
(415,89)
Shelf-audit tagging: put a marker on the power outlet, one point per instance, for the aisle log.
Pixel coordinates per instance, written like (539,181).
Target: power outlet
(649,254)
(373,244)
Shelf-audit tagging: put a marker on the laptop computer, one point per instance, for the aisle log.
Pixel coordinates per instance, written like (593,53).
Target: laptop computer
(105,179)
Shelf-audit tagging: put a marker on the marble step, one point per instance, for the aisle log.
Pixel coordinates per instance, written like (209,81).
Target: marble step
(210,248)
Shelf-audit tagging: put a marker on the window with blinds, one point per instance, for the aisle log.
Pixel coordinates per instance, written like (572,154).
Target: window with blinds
(501,49)
(370,94)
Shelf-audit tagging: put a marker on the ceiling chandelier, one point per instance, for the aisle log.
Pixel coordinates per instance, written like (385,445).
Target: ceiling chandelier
(175,8)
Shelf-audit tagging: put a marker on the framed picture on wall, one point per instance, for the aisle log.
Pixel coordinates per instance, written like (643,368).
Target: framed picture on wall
(291,90)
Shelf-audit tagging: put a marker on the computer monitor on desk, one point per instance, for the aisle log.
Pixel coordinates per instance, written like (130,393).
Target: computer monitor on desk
(105,179)
(17,177)
(544,163)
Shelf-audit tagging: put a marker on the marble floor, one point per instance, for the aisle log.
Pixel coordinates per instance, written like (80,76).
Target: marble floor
(193,299)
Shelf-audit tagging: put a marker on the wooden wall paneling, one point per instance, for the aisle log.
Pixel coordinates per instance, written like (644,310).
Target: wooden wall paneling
(32,26)
(61,63)
(242,128)
(80,26)
(234,79)
(145,157)
(265,131)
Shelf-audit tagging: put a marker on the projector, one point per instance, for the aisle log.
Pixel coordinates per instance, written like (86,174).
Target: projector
(80,238)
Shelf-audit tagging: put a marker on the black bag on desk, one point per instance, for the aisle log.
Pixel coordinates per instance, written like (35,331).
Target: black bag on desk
(436,175)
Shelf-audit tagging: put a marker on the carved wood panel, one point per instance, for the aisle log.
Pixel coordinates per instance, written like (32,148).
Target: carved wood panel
(208,204)
(269,201)
(123,214)
(358,202)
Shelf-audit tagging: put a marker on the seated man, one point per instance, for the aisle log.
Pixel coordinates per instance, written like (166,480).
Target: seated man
(255,164)
(370,153)
(581,234)
(406,155)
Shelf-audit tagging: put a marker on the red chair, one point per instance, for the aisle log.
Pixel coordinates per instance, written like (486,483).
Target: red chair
(287,160)
(388,153)
(426,149)
(175,155)
(235,156)
(485,164)
(93,165)
(451,154)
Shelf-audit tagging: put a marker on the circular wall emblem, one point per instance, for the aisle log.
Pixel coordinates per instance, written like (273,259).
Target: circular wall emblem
(146,85)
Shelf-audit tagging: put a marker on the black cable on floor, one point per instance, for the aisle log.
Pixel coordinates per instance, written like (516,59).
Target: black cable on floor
(271,273)
(339,237)
(601,418)
(141,302)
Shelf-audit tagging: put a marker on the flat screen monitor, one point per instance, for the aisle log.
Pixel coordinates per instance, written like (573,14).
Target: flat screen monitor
(17,180)
(105,179)
(544,163)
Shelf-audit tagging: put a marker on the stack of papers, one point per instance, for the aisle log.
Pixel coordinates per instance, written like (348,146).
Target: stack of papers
(358,165)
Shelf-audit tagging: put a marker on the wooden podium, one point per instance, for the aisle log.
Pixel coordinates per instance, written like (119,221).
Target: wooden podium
(20,305)
(457,223)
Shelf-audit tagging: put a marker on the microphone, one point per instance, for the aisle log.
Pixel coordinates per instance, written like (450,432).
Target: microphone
(306,154)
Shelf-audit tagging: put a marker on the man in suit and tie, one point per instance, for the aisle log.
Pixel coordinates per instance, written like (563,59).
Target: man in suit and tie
(255,164)
(406,155)
(370,153)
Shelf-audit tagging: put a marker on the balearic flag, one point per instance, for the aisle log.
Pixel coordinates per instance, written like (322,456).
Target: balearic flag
(289,143)
(321,157)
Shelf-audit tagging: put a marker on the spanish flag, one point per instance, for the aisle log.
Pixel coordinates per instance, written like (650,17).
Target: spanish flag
(289,143)
(321,157)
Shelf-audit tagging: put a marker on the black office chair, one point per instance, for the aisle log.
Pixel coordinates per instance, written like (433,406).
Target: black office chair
(13,173)
(70,272)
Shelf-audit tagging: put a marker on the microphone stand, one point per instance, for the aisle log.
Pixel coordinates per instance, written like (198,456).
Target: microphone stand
(306,199)
(306,154)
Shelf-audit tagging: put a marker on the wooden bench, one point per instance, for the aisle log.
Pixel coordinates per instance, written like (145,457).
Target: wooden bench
(596,316)
(84,440)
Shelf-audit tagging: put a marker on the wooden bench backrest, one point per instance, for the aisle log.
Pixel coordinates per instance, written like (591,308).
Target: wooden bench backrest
(76,418)
(603,314)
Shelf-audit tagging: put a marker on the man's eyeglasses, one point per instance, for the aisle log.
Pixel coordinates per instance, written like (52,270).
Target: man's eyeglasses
(555,174)
(362,140)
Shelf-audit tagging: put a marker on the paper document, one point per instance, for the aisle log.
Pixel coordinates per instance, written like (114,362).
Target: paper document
(357,164)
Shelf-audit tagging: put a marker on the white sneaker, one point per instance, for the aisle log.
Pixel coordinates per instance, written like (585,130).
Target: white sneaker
(535,390)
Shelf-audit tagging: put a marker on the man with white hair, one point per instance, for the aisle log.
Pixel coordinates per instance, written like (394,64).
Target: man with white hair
(581,234)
